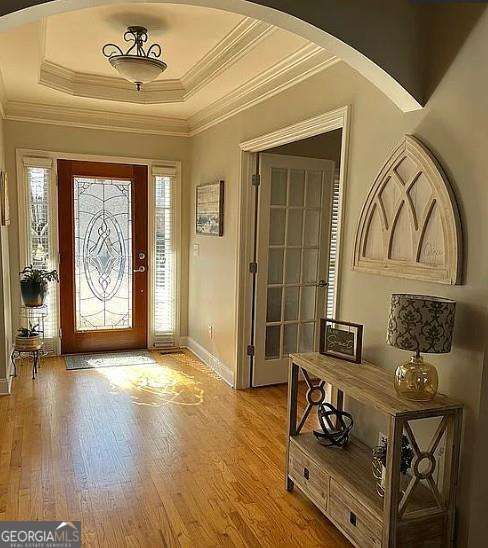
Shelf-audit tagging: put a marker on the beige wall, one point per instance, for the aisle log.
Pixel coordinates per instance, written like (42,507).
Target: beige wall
(454,126)
(326,146)
(99,142)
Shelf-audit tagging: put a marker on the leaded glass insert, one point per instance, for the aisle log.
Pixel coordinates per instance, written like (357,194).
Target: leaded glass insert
(103,253)
(38,179)
(39,252)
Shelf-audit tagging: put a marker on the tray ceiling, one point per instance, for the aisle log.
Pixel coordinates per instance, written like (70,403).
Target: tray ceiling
(218,62)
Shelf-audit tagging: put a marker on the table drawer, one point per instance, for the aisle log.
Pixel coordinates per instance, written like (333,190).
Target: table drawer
(354,518)
(308,477)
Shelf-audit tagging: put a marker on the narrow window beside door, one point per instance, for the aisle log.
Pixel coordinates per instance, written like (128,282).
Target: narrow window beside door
(164,271)
(38,249)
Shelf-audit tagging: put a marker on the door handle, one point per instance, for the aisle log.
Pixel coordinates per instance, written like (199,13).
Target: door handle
(321,283)
(140,269)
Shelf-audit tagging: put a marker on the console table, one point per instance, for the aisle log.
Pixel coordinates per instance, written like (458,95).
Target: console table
(417,509)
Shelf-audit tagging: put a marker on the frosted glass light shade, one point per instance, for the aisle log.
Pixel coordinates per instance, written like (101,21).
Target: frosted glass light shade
(137,69)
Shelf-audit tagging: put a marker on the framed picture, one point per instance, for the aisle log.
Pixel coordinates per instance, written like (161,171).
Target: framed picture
(342,340)
(210,209)
(4,206)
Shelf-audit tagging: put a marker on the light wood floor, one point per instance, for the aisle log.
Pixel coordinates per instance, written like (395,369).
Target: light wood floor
(165,455)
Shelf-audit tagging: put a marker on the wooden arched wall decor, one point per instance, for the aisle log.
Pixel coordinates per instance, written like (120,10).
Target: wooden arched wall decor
(410,225)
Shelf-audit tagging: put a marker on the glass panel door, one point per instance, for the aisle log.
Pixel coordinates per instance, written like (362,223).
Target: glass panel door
(296,199)
(103,256)
(294,222)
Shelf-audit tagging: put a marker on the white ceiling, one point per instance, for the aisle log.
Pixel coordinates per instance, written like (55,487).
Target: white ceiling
(218,63)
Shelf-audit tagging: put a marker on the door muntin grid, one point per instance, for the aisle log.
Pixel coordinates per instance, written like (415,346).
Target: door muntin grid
(293,261)
(103,253)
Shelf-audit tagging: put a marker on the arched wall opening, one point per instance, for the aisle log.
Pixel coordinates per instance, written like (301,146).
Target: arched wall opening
(396,74)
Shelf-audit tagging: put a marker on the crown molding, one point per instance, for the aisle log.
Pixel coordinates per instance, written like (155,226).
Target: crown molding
(95,119)
(237,43)
(291,70)
(245,36)
(295,68)
(107,87)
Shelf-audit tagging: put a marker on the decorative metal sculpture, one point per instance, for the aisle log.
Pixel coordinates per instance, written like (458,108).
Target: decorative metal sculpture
(336,426)
(136,65)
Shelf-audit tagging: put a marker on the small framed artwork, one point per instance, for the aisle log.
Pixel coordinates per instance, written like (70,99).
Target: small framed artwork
(210,209)
(4,205)
(343,340)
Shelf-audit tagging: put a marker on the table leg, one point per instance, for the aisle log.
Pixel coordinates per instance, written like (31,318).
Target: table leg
(12,358)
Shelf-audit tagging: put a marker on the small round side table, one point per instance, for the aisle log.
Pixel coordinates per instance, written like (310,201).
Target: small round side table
(34,354)
(29,317)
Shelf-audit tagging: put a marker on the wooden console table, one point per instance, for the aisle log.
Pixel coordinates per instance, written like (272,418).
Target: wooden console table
(416,510)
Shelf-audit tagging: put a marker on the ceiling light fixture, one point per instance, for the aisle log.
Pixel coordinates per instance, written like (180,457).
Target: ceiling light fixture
(136,65)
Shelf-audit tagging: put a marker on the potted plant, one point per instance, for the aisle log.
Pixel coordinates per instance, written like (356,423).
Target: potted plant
(379,462)
(28,339)
(33,285)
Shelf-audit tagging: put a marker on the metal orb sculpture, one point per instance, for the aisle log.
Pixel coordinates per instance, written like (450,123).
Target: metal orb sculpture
(336,426)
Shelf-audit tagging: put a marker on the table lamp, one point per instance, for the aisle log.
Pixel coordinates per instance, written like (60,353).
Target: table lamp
(422,324)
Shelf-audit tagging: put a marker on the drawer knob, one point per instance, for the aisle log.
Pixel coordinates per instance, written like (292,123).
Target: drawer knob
(353,518)
(306,473)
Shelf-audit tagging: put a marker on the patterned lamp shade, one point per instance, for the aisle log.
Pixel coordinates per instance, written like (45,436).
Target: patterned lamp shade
(421,323)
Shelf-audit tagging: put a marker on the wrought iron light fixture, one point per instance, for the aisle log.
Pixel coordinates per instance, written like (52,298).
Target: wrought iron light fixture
(136,65)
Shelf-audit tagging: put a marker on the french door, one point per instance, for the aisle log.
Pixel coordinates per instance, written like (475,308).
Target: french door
(292,253)
(103,256)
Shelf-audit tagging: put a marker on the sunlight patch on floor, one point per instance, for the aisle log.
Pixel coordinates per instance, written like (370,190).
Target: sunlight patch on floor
(189,360)
(126,360)
(155,384)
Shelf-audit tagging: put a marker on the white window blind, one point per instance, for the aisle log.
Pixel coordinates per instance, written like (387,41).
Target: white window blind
(334,231)
(38,242)
(164,267)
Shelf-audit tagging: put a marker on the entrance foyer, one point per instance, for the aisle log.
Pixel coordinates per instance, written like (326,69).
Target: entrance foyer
(137,463)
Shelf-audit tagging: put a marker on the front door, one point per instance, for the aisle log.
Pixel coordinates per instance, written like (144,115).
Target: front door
(103,256)
(293,251)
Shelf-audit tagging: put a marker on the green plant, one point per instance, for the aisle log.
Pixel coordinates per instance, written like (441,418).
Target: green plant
(379,452)
(31,275)
(31,331)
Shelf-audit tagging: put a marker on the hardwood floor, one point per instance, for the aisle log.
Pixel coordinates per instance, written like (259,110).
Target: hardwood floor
(163,455)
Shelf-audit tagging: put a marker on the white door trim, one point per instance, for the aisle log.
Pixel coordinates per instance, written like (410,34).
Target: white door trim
(322,123)
(150,163)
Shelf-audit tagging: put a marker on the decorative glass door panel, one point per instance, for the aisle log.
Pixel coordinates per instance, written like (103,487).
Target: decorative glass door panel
(103,253)
(293,229)
(103,262)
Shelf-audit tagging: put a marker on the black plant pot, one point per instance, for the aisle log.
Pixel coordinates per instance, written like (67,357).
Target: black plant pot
(33,294)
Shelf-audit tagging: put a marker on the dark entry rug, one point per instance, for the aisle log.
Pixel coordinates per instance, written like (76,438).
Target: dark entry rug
(109,359)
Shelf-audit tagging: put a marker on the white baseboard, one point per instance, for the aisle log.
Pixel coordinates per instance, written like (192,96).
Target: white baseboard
(222,369)
(5,386)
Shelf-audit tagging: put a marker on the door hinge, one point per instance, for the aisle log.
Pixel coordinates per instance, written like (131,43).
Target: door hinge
(60,333)
(250,350)
(256,179)
(253,267)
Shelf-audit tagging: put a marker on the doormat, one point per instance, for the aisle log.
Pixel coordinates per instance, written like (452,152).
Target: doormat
(109,359)
(172,352)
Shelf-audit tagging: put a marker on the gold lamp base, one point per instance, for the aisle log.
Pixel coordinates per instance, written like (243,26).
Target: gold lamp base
(416,380)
